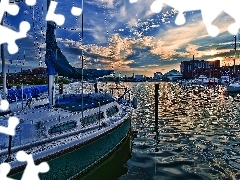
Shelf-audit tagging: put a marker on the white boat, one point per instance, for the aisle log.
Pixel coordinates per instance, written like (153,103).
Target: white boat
(188,82)
(182,81)
(66,133)
(202,80)
(213,81)
(233,87)
(71,132)
(225,79)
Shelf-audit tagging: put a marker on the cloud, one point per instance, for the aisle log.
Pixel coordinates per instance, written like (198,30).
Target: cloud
(127,37)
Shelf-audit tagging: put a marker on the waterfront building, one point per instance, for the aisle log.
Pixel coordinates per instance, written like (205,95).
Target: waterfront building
(139,77)
(157,76)
(194,68)
(229,70)
(39,70)
(36,75)
(173,75)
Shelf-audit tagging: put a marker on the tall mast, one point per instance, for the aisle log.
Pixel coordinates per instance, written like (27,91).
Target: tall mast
(49,54)
(82,59)
(193,67)
(4,79)
(235,49)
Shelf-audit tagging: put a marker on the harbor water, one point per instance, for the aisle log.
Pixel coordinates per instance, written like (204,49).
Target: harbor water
(198,134)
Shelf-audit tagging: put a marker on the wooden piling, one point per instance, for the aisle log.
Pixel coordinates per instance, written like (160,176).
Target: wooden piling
(156,105)
(9,146)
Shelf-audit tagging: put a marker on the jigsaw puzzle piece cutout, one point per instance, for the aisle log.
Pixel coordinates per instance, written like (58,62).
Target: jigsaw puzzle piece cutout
(209,9)
(180,19)
(156,6)
(5,6)
(4,105)
(31,171)
(59,19)
(233,28)
(12,124)
(209,14)
(30,2)
(133,1)
(234,12)
(12,36)
(4,170)
(181,5)
(76,11)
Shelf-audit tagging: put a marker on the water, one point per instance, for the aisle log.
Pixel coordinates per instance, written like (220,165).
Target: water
(198,134)
(112,166)
(198,137)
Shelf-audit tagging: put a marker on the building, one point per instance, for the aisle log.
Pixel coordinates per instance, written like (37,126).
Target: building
(39,70)
(195,68)
(157,76)
(229,70)
(35,76)
(139,78)
(173,75)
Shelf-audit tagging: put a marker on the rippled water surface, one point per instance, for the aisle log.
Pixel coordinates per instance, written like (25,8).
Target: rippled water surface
(197,137)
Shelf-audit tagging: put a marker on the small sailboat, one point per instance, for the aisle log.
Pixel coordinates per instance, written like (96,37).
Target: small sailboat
(202,80)
(234,86)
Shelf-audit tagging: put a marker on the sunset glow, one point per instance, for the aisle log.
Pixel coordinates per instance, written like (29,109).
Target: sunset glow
(127,37)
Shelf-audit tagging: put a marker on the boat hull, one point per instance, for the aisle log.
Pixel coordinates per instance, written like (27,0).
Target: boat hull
(76,160)
(113,166)
(233,89)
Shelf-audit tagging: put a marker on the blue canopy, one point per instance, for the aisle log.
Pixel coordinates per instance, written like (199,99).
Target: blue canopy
(28,92)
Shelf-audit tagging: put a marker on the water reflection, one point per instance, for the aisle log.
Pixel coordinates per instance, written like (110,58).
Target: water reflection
(198,134)
(112,166)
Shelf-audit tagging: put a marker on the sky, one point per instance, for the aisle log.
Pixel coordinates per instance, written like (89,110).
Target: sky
(127,37)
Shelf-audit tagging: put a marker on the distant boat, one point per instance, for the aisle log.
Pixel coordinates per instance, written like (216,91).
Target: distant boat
(225,79)
(202,80)
(213,81)
(187,82)
(60,135)
(234,87)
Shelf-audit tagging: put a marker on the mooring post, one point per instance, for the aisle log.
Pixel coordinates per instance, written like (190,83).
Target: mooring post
(214,86)
(9,146)
(156,116)
(156,105)
(99,115)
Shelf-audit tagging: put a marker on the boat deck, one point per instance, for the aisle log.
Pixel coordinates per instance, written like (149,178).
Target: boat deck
(73,102)
(39,112)
(65,140)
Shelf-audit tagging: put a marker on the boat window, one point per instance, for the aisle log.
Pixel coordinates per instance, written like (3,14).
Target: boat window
(5,113)
(92,118)
(111,111)
(63,127)
(101,115)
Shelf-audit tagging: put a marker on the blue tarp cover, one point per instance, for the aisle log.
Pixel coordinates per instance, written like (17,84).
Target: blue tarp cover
(28,92)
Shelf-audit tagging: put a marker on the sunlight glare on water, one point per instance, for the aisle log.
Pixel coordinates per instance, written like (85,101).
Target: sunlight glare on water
(198,134)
